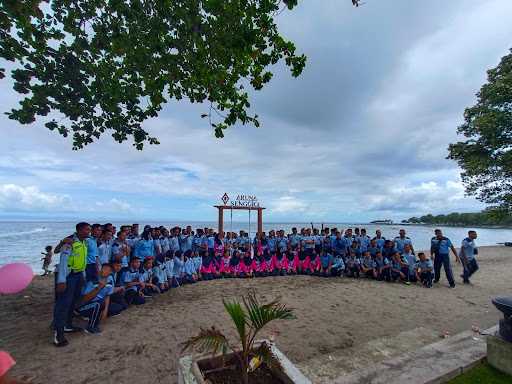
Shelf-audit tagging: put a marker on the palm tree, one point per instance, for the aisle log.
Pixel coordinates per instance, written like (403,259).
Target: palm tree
(249,318)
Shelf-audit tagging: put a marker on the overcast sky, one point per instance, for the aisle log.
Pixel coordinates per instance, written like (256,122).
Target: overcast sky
(361,135)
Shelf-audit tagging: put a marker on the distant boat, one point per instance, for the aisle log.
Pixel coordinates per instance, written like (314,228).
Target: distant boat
(387,221)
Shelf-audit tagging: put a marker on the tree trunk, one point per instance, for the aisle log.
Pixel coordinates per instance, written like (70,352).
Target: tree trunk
(245,373)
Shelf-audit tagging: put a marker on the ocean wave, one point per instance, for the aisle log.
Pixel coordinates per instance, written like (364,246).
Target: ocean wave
(23,233)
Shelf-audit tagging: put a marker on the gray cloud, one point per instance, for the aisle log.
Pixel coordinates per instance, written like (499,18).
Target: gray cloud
(363,132)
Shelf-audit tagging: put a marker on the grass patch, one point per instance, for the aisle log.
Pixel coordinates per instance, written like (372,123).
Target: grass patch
(482,374)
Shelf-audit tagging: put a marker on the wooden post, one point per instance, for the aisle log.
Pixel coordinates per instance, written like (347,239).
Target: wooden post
(260,220)
(220,228)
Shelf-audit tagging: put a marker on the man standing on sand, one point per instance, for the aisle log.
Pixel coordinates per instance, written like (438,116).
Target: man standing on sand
(440,250)
(468,251)
(69,281)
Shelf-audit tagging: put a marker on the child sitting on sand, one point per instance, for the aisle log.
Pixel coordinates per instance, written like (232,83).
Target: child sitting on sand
(149,278)
(133,283)
(399,269)
(47,259)
(382,267)
(353,263)
(424,269)
(368,265)
(338,265)
(189,270)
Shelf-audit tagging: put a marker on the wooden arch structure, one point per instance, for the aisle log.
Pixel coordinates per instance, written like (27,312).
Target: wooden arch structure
(242,202)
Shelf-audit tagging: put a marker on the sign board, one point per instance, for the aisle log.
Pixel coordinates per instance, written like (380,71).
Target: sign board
(249,201)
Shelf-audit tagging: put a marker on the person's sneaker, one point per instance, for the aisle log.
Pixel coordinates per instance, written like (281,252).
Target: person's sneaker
(92,331)
(59,340)
(72,329)
(452,286)
(407,282)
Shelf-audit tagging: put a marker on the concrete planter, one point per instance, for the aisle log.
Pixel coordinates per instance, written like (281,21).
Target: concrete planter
(189,372)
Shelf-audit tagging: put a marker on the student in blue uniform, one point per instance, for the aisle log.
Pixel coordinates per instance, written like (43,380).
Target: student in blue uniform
(354,249)
(382,267)
(379,239)
(189,269)
(159,271)
(348,238)
(339,246)
(121,250)
(424,269)
(368,265)
(95,300)
(399,269)
(468,252)
(401,240)
(133,283)
(149,278)
(294,239)
(179,267)
(410,259)
(272,242)
(374,248)
(185,240)
(318,241)
(145,247)
(117,301)
(326,263)
(91,270)
(440,250)
(338,266)
(353,263)
(363,240)
(105,247)
(388,250)
(210,243)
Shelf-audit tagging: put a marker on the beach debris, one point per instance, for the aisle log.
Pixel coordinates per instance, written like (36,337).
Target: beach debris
(254,363)
(445,335)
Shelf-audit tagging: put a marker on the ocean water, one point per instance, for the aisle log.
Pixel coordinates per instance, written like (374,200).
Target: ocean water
(24,241)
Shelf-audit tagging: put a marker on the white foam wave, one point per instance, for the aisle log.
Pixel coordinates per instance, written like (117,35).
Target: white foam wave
(23,233)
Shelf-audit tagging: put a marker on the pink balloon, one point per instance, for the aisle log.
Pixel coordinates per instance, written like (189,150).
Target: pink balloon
(15,277)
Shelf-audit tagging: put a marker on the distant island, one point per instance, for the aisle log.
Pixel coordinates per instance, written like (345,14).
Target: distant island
(484,218)
(387,221)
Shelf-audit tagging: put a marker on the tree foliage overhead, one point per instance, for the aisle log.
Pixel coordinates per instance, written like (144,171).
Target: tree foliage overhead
(87,67)
(486,155)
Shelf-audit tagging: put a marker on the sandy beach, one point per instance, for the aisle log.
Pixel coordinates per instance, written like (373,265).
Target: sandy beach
(342,324)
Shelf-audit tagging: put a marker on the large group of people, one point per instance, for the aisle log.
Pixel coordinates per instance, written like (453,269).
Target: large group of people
(102,270)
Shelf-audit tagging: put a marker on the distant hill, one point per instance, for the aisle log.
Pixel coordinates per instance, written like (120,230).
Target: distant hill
(484,218)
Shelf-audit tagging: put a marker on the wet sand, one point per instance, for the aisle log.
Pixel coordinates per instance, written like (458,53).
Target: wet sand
(340,324)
